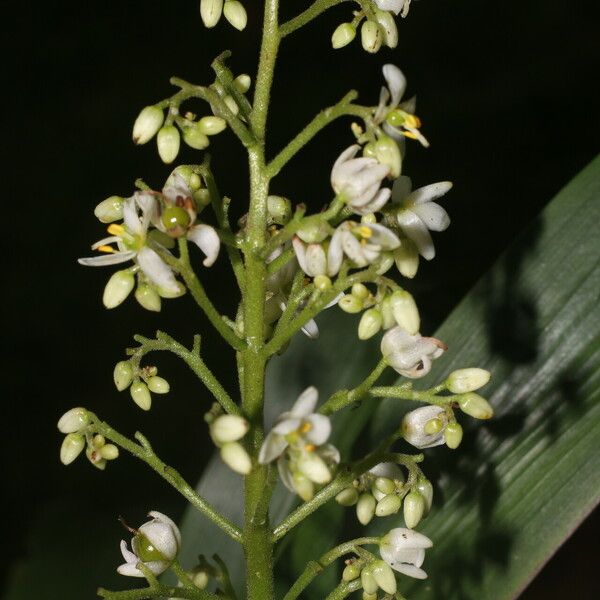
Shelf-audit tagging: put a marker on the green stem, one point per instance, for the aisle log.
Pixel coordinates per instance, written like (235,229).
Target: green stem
(160,591)
(404,392)
(344,589)
(313,568)
(312,12)
(145,453)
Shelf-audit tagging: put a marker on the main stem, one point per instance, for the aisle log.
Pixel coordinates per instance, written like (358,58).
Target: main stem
(258,542)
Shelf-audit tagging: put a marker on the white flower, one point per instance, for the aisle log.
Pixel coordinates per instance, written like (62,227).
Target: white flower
(410,355)
(155,544)
(417,214)
(361,243)
(301,425)
(413,427)
(358,180)
(404,550)
(312,259)
(394,6)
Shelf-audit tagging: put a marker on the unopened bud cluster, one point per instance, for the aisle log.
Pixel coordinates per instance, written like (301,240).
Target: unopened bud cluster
(233,10)
(226,432)
(142,382)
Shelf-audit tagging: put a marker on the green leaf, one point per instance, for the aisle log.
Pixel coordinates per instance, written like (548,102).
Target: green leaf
(519,484)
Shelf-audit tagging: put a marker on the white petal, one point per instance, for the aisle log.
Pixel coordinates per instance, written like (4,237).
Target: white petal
(428,192)
(409,570)
(310,329)
(394,6)
(387,469)
(377,203)
(353,249)
(396,339)
(286,424)
(106,241)
(129,570)
(401,188)
(107,259)
(382,107)
(207,239)
(306,403)
(402,537)
(162,517)
(335,253)
(316,261)
(162,537)
(149,207)
(382,236)
(433,215)
(364,197)
(330,454)
(156,270)
(300,251)
(128,555)
(312,466)
(320,430)
(271,448)
(416,230)
(130,217)
(396,82)
(283,466)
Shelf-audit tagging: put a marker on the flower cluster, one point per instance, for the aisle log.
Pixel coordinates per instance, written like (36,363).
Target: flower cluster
(226,432)
(233,10)
(142,382)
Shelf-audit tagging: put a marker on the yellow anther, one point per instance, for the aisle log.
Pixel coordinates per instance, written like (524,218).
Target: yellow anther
(410,134)
(310,447)
(305,427)
(115,229)
(107,249)
(412,121)
(365,232)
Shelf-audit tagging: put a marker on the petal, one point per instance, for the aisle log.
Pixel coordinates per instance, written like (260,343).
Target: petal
(433,215)
(394,6)
(377,203)
(330,454)
(409,570)
(387,469)
(162,536)
(272,447)
(312,466)
(105,241)
(382,107)
(310,329)
(149,207)
(396,82)
(428,192)
(396,339)
(316,261)
(283,466)
(130,217)
(300,251)
(306,403)
(416,230)
(335,253)
(128,555)
(286,424)
(162,517)
(402,537)
(320,429)
(353,249)
(156,270)
(401,188)
(129,570)
(207,239)
(107,259)
(382,236)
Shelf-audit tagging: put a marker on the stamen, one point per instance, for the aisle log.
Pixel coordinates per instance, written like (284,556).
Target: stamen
(365,232)
(310,447)
(115,229)
(107,249)
(305,427)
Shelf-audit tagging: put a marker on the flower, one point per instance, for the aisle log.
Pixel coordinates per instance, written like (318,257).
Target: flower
(404,550)
(410,355)
(417,214)
(394,6)
(358,180)
(312,259)
(414,427)
(362,243)
(155,544)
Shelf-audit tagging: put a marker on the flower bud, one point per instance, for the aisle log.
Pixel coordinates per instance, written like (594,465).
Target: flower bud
(167,142)
(242,83)
(453,435)
(236,458)
(474,405)
(371,36)
(384,263)
(376,493)
(235,13)
(109,452)
(148,297)
(169,293)
(158,385)
(210,12)
(123,375)
(387,313)
(71,448)
(407,258)
(368,580)
(413,427)
(370,323)
(313,466)
(194,137)
(211,125)
(426,490)
(414,507)
(98,441)
(313,232)
(385,485)
(360,291)
(322,283)
(140,394)
(387,152)
(303,486)
(347,497)
(462,381)
(201,197)
(147,124)
(388,505)
(343,35)
(279,208)
(365,508)
(228,428)
(95,458)
(405,311)
(73,420)
(117,288)
(110,210)
(388,27)
(351,571)
(384,576)
(350,304)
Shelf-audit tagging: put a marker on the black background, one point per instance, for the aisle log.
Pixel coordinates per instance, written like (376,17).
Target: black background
(506,93)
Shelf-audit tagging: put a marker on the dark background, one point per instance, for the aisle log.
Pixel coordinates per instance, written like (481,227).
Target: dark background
(506,94)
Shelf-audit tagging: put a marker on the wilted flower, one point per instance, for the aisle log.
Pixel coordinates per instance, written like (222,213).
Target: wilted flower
(421,429)
(404,550)
(155,544)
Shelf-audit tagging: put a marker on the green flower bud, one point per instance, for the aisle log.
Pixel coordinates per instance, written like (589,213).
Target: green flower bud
(474,405)
(462,381)
(388,505)
(370,323)
(98,441)
(279,208)
(74,420)
(140,394)
(211,125)
(387,313)
(376,493)
(360,291)
(365,508)
(148,297)
(201,197)
(167,142)
(343,35)
(117,288)
(388,26)
(195,182)
(322,283)
(406,313)
(147,124)
(407,258)
(350,304)
(385,485)
(351,571)
(110,210)
(194,137)
(347,497)
(95,458)
(414,507)
(200,579)
(384,576)
(158,385)
(313,232)
(387,153)
(304,487)
(369,151)
(109,452)
(235,13)
(242,83)
(368,580)
(228,428)
(426,490)
(123,375)
(453,435)
(170,293)
(371,36)
(433,426)
(71,448)
(236,458)
(210,12)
